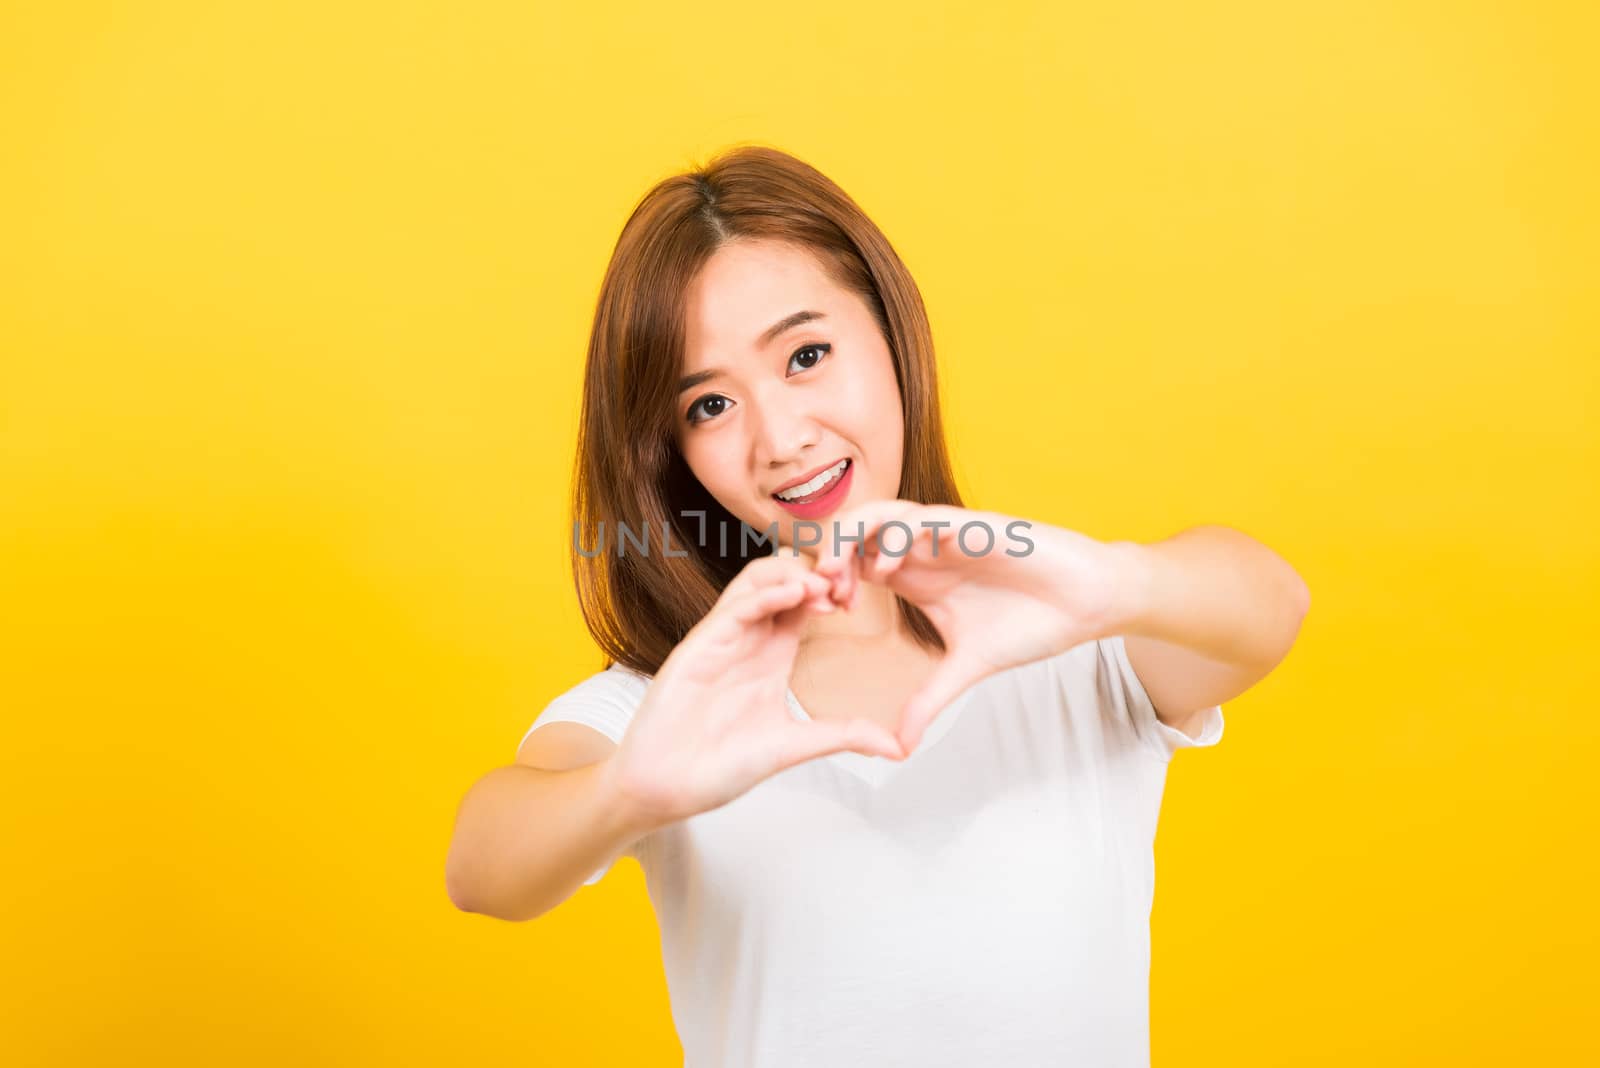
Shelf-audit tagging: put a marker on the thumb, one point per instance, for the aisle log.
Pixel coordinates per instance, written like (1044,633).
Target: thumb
(949,679)
(804,740)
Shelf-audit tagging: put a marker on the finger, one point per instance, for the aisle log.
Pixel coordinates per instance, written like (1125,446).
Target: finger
(928,549)
(790,621)
(843,579)
(771,570)
(818,588)
(806,740)
(871,520)
(869,517)
(812,585)
(850,572)
(891,548)
(833,583)
(819,601)
(854,569)
(858,570)
(753,606)
(885,541)
(885,552)
(864,519)
(884,563)
(947,682)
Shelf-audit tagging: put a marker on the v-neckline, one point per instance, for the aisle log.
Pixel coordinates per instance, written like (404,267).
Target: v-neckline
(874,770)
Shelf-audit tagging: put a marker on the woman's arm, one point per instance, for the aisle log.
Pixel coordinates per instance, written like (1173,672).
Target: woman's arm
(712,724)
(1205,614)
(527,837)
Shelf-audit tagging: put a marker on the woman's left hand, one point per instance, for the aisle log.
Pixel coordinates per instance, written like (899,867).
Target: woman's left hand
(1002,591)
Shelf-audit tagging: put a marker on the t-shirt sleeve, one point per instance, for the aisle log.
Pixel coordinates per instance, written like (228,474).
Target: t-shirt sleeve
(1125,695)
(605,701)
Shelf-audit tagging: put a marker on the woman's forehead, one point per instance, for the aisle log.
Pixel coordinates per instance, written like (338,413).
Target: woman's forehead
(745,289)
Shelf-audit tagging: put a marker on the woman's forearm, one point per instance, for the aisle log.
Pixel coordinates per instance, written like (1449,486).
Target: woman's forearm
(526,838)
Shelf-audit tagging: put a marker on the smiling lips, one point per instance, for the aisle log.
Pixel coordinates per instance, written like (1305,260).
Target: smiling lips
(808,485)
(820,494)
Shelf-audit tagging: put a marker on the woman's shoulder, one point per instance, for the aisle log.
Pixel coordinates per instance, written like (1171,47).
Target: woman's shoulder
(605,700)
(616,677)
(617,685)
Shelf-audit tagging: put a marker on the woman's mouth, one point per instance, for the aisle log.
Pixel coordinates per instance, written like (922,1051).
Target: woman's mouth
(819,496)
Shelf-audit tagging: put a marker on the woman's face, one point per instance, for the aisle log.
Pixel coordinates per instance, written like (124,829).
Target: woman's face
(773,402)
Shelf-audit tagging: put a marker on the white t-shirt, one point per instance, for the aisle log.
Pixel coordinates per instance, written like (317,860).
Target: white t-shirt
(986,901)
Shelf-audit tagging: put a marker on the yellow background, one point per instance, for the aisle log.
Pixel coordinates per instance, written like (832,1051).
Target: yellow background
(293,301)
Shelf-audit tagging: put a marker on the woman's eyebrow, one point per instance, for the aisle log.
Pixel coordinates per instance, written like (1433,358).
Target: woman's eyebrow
(788,322)
(690,381)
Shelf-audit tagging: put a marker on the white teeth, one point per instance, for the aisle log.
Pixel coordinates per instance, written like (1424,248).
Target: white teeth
(815,484)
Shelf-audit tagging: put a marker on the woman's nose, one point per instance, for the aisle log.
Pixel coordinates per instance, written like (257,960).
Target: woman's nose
(784,432)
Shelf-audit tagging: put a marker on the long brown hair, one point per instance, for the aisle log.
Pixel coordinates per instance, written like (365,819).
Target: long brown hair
(629,471)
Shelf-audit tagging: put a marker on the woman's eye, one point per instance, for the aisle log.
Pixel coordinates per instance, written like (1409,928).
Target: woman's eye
(713,405)
(820,350)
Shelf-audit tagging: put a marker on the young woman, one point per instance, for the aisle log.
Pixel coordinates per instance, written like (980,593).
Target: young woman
(895,798)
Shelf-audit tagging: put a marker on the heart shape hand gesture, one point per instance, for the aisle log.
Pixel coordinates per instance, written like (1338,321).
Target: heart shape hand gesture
(1002,591)
(714,720)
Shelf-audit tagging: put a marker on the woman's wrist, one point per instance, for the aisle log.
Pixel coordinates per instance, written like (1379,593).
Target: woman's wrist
(1133,568)
(631,815)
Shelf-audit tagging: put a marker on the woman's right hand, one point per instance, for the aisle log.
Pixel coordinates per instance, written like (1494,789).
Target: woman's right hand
(715,719)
